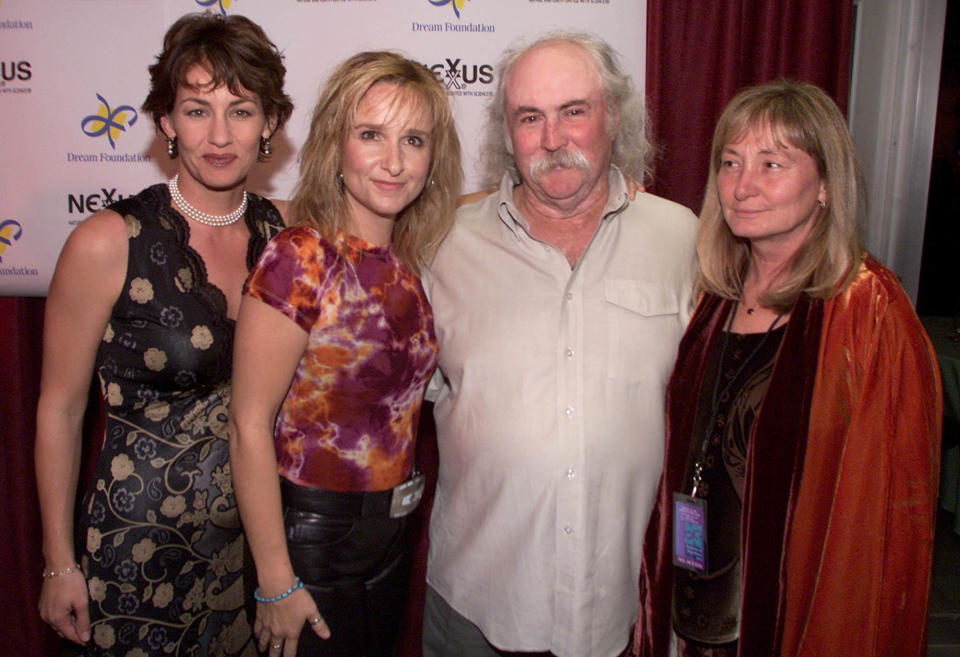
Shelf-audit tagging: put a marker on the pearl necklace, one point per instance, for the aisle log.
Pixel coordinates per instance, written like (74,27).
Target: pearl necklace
(201,216)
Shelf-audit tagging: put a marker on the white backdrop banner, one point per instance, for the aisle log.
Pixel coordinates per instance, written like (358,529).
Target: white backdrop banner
(74,73)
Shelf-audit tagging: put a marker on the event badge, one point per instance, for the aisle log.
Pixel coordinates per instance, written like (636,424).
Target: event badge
(690,533)
(407,495)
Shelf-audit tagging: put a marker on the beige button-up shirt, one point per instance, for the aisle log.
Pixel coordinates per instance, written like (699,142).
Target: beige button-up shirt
(550,417)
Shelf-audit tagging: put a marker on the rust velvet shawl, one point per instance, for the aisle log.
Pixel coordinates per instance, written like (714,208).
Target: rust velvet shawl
(841,480)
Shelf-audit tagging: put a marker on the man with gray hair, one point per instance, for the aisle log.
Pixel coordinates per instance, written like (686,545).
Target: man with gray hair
(558,304)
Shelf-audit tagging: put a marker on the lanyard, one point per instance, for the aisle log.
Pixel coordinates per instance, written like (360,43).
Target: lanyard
(718,392)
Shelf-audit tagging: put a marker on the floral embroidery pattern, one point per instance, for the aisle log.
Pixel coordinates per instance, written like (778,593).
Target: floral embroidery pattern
(141,290)
(159,536)
(133,225)
(155,359)
(201,338)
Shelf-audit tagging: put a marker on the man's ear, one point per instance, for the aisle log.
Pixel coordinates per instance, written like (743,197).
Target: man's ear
(613,124)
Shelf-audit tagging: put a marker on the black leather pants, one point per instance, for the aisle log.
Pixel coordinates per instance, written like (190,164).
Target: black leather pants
(355,566)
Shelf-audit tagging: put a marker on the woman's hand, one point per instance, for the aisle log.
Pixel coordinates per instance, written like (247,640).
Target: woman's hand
(63,605)
(261,378)
(87,282)
(634,187)
(278,624)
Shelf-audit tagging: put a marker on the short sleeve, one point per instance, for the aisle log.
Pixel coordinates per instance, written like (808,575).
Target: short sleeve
(289,275)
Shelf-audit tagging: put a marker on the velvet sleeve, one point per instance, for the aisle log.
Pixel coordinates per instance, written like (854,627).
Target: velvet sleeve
(914,411)
(860,544)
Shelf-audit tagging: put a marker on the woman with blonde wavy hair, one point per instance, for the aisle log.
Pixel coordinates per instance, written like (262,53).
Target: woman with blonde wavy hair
(334,348)
(795,513)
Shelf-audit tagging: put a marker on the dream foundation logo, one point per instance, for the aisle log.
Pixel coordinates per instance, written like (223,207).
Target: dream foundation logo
(450,26)
(10,232)
(456,4)
(15,24)
(219,5)
(109,122)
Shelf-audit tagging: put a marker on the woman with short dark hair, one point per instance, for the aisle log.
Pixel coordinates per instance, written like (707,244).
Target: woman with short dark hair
(145,294)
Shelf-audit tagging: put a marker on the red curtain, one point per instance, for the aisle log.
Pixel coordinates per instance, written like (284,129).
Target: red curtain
(698,54)
(21,563)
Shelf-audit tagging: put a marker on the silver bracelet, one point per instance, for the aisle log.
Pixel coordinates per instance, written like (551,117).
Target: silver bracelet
(50,574)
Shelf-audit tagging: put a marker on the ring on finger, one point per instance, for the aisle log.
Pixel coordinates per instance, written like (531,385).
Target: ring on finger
(276,646)
(316,620)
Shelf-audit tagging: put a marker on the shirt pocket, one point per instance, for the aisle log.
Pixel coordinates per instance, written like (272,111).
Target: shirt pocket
(643,328)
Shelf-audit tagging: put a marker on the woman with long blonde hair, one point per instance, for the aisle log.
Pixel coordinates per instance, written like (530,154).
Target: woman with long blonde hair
(334,348)
(795,513)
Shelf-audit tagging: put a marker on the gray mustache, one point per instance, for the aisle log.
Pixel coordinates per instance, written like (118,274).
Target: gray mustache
(566,159)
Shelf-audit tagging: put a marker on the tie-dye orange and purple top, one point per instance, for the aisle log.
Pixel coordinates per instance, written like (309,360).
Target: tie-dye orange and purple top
(349,420)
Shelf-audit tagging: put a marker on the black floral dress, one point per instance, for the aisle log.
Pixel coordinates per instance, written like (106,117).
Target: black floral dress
(159,534)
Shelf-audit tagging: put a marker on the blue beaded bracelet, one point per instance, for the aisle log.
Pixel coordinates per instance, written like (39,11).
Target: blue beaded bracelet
(297,584)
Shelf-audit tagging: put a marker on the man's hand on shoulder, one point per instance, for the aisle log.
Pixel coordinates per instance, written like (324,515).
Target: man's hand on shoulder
(467,199)
(633,187)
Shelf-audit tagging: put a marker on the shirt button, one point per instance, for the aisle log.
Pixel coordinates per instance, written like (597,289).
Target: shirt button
(569,295)
(569,353)
(568,411)
(568,529)
(569,473)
